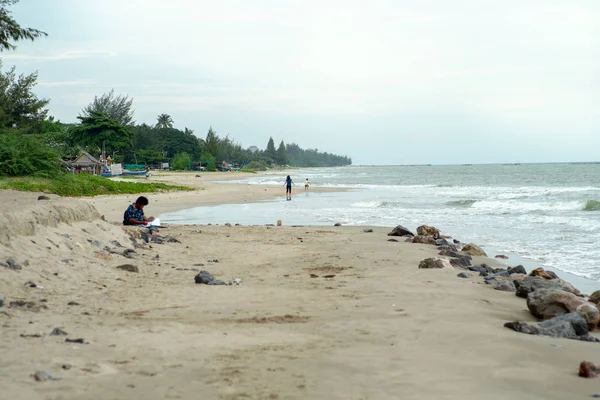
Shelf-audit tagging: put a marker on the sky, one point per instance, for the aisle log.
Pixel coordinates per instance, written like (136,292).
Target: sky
(381,81)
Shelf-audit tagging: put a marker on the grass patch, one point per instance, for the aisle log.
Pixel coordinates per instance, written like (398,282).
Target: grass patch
(83,185)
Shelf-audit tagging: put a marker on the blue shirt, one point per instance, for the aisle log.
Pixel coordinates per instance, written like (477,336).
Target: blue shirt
(288,181)
(132,212)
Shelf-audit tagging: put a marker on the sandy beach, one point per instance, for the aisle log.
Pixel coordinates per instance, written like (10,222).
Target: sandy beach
(322,313)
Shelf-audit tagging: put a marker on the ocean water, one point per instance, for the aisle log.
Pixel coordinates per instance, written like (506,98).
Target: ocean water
(545,214)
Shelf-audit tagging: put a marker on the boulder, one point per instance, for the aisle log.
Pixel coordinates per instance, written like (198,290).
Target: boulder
(519,269)
(205,278)
(454,253)
(425,230)
(400,231)
(503,285)
(548,303)
(543,274)
(568,326)
(449,247)
(481,268)
(441,242)
(588,370)
(474,250)
(423,240)
(435,262)
(461,262)
(532,283)
(463,275)
(595,297)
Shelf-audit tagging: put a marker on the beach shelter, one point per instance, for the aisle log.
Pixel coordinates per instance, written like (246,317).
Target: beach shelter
(87,164)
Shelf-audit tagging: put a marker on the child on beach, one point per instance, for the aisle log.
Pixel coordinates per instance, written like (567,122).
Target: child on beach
(134,215)
(288,187)
(306,185)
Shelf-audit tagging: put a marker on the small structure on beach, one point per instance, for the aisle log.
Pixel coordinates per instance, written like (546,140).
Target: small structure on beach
(87,164)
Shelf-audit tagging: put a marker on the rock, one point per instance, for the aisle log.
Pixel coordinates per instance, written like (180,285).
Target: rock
(1,301)
(463,275)
(449,247)
(532,283)
(519,269)
(216,282)
(42,197)
(454,253)
(115,243)
(58,332)
(595,297)
(204,277)
(568,326)
(228,224)
(337,224)
(501,256)
(12,264)
(435,262)
(548,303)
(423,240)
(368,230)
(503,286)
(236,282)
(588,370)
(441,242)
(474,250)
(79,341)
(129,268)
(479,268)
(461,262)
(103,255)
(543,274)
(392,240)
(43,376)
(425,230)
(400,231)
(73,303)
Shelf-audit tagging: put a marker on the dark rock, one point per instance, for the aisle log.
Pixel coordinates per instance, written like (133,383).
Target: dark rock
(129,253)
(171,239)
(129,268)
(548,303)
(42,197)
(30,284)
(435,262)
(474,250)
(95,243)
(503,285)
(425,230)
(400,231)
(480,268)
(66,235)
(448,246)
(80,341)
(228,224)
(204,277)
(337,224)
(461,262)
(568,326)
(73,303)
(392,240)
(11,263)
(368,230)
(588,370)
(1,301)
(463,275)
(595,297)
(533,283)
(456,241)
(115,243)
(501,256)
(216,282)
(454,253)
(519,269)
(58,332)
(441,242)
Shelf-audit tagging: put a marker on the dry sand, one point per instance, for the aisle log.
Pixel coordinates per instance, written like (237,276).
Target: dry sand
(378,329)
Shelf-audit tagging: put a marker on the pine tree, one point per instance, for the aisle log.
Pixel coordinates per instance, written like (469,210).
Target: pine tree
(281,158)
(270,152)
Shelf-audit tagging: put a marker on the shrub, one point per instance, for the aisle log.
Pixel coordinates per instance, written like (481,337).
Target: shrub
(181,161)
(22,154)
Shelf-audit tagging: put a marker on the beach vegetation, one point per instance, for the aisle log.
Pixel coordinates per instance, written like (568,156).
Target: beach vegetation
(164,121)
(11,31)
(115,107)
(98,131)
(181,161)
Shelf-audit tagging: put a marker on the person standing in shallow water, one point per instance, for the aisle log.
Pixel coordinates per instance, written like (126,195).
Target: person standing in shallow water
(288,187)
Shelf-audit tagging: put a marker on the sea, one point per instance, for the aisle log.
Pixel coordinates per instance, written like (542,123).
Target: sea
(540,215)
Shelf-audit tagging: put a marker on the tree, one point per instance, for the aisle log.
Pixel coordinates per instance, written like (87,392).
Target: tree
(211,145)
(19,106)
(99,130)
(174,141)
(181,161)
(10,30)
(26,155)
(164,121)
(117,107)
(270,151)
(281,154)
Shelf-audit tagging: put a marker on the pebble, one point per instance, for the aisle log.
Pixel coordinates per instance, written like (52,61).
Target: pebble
(463,275)
(80,341)
(42,197)
(43,376)
(58,332)
(1,301)
(129,268)
(368,230)
(73,303)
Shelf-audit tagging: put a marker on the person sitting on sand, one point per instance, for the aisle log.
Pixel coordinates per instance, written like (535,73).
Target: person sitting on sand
(134,215)
(288,187)
(306,184)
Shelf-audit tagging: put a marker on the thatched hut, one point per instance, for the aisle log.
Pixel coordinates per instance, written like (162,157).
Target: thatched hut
(87,164)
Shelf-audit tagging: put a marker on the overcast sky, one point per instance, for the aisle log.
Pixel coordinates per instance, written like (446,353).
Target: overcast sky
(382,81)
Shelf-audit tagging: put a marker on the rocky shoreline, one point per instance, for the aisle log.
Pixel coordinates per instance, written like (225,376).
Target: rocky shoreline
(563,311)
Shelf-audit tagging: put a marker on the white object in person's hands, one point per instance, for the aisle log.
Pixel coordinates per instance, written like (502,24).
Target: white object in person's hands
(154,222)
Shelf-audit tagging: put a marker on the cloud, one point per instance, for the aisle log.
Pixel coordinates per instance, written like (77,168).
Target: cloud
(62,55)
(65,83)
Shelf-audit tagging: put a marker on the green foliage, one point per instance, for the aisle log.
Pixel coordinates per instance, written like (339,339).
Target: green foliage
(174,141)
(22,154)
(19,106)
(10,30)
(254,166)
(281,157)
(83,185)
(211,143)
(181,161)
(113,106)
(209,160)
(164,121)
(149,157)
(98,130)
(270,151)
(299,157)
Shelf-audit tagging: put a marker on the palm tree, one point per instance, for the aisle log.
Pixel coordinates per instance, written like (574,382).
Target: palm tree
(164,121)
